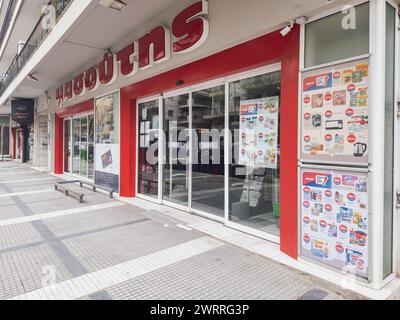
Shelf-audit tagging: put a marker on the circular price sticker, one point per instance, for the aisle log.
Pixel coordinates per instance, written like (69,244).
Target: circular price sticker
(337,181)
(352,138)
(328,114)
(352,197)
(351,88)
(328,193)
(328,97)
(350,112)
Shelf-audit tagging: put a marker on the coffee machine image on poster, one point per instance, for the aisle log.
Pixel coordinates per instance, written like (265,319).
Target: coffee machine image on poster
(334,219)
(335,117)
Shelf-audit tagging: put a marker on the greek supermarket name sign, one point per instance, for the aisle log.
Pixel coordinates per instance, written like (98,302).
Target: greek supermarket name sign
(189,29)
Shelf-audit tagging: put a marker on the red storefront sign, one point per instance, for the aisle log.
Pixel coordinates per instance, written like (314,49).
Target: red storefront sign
(189,28)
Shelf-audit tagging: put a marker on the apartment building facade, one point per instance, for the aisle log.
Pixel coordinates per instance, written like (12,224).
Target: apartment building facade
(276,119)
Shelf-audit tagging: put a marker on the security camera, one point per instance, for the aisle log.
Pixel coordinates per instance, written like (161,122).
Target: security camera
(301,21)
(285,31)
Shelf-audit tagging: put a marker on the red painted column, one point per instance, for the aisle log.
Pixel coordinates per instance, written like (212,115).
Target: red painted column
(289,138)
(58,145)
(127,144)
(14,143)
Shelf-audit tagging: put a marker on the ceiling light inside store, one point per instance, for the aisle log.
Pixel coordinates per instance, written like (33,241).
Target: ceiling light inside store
(113,4)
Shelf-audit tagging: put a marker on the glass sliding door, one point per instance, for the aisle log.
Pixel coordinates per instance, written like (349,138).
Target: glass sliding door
(79,146)
(148,153)
(243,189)
(84,147)
(176,168)
(76,146)
(254,169)
(90,147)
(208,123)
(67,146)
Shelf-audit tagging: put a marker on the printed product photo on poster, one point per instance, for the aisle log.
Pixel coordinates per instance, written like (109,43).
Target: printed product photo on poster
(335,113)
(107,148)
(334,219)
(259,123)
(107,165)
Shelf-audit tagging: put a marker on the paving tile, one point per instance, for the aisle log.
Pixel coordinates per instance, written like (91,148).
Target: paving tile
(126,252)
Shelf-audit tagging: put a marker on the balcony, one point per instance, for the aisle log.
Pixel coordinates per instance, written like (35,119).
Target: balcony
(38,34)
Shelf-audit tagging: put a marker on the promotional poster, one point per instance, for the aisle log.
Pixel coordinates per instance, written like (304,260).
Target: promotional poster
(107,149)
(334,219)
(107,166)
(335,114)
(259,129)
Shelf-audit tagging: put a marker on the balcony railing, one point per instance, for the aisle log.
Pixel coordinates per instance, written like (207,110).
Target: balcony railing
(35,39)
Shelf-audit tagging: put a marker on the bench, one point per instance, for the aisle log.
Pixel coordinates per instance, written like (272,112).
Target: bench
(95,187)
(60,186)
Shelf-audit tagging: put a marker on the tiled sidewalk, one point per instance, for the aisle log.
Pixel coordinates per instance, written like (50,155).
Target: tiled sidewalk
(51,247)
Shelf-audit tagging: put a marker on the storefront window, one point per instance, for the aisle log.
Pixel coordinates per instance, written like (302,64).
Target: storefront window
(107,148)
(208,150)
(83,133)
(176,168)
(84,147)
(149,124)
(20,139)
(43,141)
(107,119)
(254,172)
(91,147)
(339,36)
(76,130)
(389,139)
(67,146)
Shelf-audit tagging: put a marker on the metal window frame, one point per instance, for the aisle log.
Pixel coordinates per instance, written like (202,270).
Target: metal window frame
(223,81)
(103,95)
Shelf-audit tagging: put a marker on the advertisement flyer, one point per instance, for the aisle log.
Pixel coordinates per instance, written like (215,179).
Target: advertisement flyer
(259,128)
(334,219)
(107,166)
(335,113)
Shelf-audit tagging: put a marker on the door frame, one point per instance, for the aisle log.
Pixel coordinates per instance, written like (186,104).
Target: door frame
(71,118)
(70,144)
(275,67)
(242,76)
(202,86)
(157,199)
(166,95)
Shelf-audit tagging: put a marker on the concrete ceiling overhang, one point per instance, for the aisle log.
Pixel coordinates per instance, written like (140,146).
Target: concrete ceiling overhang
(100,28)
(26,20)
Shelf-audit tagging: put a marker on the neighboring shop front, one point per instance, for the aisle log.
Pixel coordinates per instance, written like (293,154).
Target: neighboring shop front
(272,136)
(22,114)
(89,134)
(4,135)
